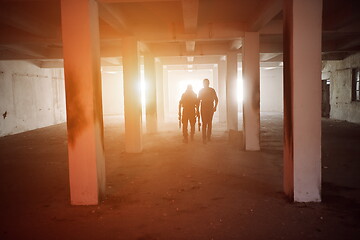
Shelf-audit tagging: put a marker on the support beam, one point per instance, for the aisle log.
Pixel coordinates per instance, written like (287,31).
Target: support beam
(349,43)
(268,56)
(267,10)
(36,52)
(190,15)
(222,90)
(159,91)
(18,36)
(275,27)
(150,83)
(302,99)
(166,92)
(231,92)
(111,61)
(112,17)
(216,84)
(197,67)
(143,47)
(221,31)
(132,96)
(50,63)
(336,56)
(236,44)
(8,54)
(134,1)
(214,59)
(251,91)
(80,31)
(24,19)
(173,49)
(341,17)
(190,46)
(205,48)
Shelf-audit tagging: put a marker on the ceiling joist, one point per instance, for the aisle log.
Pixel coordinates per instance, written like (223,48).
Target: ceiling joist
(236,44)
(190,15)
(190,46)
(267,10)
(27,22)
(113,18)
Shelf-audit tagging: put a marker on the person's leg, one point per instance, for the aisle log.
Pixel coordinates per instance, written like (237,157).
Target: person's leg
(203,127)
(209,130)
(208,134)
(185,128)
(192,127)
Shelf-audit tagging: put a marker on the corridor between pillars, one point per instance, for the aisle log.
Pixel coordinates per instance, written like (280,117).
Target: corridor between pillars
(81,52)
(132,95)
(302,99)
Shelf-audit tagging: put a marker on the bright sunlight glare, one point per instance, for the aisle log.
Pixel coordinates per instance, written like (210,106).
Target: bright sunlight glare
(196,84)
(240,90)
(142,88)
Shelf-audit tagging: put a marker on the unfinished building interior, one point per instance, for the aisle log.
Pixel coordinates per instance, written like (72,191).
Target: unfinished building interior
(89,140)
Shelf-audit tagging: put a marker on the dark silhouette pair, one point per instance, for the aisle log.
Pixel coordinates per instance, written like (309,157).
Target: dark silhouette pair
(192,106)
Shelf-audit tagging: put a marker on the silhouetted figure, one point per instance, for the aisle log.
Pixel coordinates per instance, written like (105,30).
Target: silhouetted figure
(189,106)
(208,102)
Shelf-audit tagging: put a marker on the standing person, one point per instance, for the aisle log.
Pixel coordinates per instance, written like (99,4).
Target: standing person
(189,105)
(208,102)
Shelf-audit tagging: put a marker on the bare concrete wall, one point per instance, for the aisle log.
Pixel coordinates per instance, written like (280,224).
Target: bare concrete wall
(30,97)
(113,92)
(340,75)
(271,90)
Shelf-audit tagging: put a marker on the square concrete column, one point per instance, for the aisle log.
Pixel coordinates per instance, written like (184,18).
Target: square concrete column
(150,88)
(222,90)
(231,92)
(302,99)
(215,76)
(159,92)
(166,92)
(251,90)
(132,95)
(81,51)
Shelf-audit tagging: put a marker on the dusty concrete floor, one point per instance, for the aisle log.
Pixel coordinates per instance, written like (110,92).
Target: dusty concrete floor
(178,191)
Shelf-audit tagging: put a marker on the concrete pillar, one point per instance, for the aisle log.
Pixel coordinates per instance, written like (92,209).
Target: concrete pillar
(222,90)
(81,52)
(302,99)
(216,87)
(251,91)
(231,92)
(132,95)
(159,92)
(166,92)
(150,93)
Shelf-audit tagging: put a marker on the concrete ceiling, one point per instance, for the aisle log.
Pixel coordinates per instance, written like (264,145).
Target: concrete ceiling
(31,29)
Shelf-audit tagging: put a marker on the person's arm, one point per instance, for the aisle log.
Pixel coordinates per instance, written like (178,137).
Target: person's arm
(179,113)
(198,112)
(199,101)
(216,100)
(180,105)
(197,107)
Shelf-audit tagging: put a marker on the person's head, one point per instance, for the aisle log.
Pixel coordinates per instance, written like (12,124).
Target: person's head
(189,87)
(206,82)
